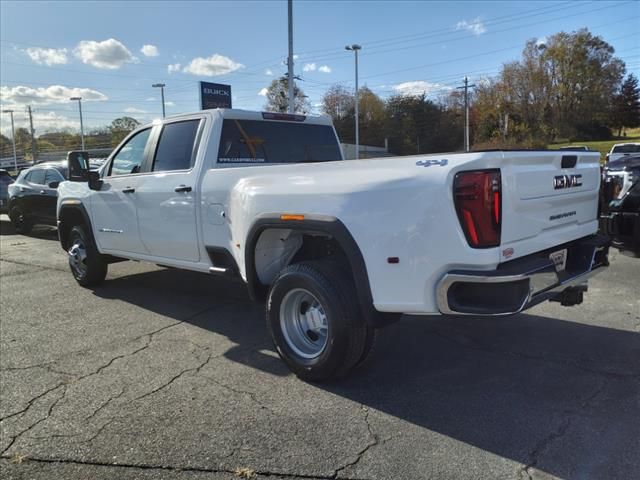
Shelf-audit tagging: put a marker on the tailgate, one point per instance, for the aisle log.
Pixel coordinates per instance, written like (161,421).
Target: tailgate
(549,198)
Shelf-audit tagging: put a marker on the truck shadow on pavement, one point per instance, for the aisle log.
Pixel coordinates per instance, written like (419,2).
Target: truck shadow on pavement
(42,232)
(551,394)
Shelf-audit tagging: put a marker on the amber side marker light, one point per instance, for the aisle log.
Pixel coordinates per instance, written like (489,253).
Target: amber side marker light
(291,216)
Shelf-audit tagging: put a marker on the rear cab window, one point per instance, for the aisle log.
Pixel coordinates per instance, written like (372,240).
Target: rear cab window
(626,149)
(267,142)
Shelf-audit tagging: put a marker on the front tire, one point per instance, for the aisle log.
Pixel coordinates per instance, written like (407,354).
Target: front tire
(87,265)
(315,321)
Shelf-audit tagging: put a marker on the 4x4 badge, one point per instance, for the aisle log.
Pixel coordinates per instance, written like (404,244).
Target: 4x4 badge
(428,163)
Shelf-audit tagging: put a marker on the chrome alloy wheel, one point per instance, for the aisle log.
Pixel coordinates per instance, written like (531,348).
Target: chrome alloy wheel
(304,323)
(78,257)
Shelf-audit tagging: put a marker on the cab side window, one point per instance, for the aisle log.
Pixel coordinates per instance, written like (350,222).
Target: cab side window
(129,158)
(176,146)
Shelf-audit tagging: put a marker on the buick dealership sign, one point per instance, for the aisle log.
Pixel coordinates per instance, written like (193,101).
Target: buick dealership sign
(214,95)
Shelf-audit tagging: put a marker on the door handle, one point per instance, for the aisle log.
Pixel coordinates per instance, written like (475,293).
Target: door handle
(182,188)
(128,190)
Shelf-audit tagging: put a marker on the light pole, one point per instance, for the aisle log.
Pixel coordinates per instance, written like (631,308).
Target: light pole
(161,87)
(79,99)
(13,140)
(355,49)
(291,107)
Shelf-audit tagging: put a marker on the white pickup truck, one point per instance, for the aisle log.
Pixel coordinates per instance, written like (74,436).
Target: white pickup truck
(336,248)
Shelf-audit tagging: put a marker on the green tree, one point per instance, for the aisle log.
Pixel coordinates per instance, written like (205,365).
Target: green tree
(626,108)
(278,97)
(121,127)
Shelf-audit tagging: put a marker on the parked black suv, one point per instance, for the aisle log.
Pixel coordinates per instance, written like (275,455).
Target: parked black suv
(33,196)
(620,203)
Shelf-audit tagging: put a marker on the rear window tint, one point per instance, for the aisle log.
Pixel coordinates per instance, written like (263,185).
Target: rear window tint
(626,149)
(253,141)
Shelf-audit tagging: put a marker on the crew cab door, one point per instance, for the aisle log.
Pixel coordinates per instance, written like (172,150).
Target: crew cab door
(113,207)
(167,195)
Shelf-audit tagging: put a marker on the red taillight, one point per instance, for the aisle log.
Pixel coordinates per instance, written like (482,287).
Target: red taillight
(478,199)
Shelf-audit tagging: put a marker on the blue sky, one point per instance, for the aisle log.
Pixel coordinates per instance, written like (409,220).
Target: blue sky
(53,50)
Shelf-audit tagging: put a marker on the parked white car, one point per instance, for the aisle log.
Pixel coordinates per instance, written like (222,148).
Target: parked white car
(336,249)
(621,150)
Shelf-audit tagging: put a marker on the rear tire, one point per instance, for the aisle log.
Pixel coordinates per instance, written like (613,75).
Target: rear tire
(86,263)
(21,223)
(315,321)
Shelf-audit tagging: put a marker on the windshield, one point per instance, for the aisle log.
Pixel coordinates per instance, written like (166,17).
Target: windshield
(254,141)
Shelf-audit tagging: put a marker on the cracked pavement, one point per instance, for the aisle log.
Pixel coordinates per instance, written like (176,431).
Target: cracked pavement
(162,373)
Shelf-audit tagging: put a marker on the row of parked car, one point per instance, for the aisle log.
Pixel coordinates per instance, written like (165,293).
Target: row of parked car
(31,198)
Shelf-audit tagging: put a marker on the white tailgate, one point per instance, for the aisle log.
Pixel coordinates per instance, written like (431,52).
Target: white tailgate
(537,212)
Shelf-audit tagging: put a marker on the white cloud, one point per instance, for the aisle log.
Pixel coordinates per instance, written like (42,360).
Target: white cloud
(23,95)
(134,110)
(295,57)
(151,99)
(48,56)
(174,67)
(309,67)
(268,72)
(149,51)
(45,121)
(212,66)
(325,69)
(109,54)
(474,26)
(418,87)
(263,92)
(169,104)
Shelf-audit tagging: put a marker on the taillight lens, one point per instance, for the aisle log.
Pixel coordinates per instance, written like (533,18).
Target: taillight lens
(478,199)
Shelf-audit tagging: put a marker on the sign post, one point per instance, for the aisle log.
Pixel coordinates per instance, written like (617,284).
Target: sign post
(214,95)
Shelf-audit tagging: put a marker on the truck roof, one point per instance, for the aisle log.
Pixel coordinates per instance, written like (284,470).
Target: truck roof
(238,114)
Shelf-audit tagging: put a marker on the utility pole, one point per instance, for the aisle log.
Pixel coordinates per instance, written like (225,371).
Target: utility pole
(13,141)
(466,112)
(292,106)
(355,48)
(33,136)
(161,87)
(79,99)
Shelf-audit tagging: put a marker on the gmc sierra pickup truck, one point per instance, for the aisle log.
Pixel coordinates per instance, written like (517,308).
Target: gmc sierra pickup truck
(336,249)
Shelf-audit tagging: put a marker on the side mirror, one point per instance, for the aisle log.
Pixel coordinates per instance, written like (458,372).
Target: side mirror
(95,182)
(78,164)
(53,184)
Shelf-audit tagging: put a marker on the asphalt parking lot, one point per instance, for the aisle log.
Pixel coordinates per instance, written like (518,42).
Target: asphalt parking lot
(162,373)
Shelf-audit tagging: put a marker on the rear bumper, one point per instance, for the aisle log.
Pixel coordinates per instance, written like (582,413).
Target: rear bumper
(520,284)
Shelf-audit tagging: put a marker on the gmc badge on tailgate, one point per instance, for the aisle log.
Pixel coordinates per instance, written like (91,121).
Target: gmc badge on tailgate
(567,181)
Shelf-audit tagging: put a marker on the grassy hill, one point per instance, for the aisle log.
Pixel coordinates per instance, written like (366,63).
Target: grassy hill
(604,146)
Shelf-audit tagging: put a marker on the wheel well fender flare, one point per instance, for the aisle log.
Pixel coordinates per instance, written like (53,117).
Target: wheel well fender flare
(72,210)
(327,225)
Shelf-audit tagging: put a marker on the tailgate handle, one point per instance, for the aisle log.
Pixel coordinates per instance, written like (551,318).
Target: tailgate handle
(569,161)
